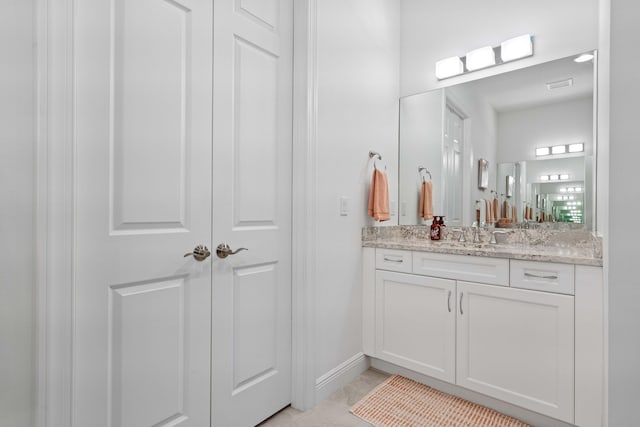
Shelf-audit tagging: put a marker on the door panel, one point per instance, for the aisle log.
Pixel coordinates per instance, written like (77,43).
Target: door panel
(151,77)
(255,323)
(142,199)
(255,144)
(251,360)
(147,352)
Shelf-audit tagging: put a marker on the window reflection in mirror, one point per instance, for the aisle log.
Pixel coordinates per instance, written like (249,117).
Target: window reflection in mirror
(504,119)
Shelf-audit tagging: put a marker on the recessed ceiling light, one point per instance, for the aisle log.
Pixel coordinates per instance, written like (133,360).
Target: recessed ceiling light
(584,57)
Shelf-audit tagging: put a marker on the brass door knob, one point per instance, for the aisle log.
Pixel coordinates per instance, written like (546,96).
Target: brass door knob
(200,253)
(223,250)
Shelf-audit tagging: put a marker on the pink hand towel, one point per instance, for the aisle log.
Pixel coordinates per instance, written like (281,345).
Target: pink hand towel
(425,204)
(487,213)
(379,197)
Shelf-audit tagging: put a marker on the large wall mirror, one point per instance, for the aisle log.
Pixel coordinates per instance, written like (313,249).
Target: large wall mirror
(532,130)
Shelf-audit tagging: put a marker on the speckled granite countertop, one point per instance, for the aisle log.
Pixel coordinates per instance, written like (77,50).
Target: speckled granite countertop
(562,246)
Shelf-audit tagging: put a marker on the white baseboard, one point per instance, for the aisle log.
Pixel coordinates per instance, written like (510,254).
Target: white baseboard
(529,417)
(340,376)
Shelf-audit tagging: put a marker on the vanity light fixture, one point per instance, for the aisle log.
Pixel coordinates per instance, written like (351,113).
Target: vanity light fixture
(576,148)
(571,190)
(487,56)
(560,149)
(543,151)
(555,177)
(480,58)
(449,67)
(516,48)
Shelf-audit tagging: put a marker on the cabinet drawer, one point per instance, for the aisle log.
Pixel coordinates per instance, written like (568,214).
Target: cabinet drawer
(493,271)
(393,260)
(542,276)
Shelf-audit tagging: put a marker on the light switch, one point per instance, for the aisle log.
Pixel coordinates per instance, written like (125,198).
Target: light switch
(344,206)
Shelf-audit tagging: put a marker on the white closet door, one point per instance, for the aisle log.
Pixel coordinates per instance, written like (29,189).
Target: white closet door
(252,134)
(142,167)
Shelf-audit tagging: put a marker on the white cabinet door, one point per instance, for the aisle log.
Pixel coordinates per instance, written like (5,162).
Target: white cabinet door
(517,345)
(415,323)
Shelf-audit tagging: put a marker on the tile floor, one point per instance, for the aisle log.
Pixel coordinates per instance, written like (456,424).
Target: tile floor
(334,410)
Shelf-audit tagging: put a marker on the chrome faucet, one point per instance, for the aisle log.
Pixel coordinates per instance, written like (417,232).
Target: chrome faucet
(476,233)
(461,238)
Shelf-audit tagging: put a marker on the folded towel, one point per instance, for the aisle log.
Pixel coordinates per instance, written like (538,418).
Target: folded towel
(487,208)
(496,210)
(514,213)
(379,197)
(425,204)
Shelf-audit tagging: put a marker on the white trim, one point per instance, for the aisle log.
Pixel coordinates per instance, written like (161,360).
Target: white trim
(303,391)
(341,375)
(54,220)
(41,132)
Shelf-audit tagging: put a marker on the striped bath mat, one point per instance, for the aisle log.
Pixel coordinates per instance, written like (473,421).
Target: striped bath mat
(400,401)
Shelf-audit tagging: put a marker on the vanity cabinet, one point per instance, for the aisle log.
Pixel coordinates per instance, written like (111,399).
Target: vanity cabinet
(517,345)
(509,329)
(416,323)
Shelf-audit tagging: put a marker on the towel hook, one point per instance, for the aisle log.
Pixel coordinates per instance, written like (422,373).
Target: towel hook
(375,155)
(421,169)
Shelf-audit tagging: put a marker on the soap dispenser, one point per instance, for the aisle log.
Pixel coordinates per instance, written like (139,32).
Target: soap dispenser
(435,228)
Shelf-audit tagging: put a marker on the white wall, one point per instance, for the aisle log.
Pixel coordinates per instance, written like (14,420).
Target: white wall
(16,212)
(624,201)
(421,122)
(521,131)
(433,30)
(357,110)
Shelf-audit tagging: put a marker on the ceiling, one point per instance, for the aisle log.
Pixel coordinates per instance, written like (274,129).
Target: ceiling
(527,88)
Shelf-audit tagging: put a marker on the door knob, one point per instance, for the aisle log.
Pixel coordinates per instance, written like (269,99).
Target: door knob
(200,253)
(223,250)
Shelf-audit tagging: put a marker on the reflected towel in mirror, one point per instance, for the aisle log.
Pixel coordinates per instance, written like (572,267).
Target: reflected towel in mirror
(425,204)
